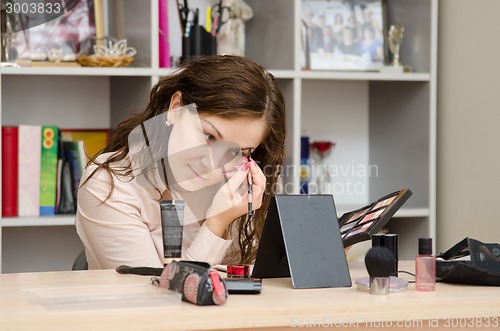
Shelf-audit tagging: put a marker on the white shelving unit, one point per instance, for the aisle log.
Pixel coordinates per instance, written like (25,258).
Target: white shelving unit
(385,120)
(379,119)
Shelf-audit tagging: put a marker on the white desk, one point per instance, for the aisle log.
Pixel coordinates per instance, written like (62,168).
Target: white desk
(278,307)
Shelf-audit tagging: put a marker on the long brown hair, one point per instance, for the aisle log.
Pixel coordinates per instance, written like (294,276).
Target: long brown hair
(229,87)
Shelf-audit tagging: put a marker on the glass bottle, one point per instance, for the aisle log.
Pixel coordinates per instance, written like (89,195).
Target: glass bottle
(425,266)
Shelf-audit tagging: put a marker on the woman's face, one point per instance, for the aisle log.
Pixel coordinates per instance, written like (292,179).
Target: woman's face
(204,150)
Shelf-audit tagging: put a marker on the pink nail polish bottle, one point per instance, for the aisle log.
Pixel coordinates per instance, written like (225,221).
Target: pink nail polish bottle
(425,266)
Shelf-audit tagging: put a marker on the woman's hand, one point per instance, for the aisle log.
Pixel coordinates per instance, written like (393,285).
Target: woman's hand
(231,201)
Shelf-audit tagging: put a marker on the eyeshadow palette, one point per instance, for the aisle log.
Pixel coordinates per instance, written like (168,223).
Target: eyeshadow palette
(360,224)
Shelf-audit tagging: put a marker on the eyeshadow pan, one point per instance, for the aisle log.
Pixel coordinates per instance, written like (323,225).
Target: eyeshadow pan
(366,226)
(371,216)
(385,202)
(348,226)
(359,229)
(358,214)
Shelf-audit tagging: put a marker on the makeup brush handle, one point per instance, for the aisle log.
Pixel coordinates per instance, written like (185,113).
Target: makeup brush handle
(379,285)
(143,271)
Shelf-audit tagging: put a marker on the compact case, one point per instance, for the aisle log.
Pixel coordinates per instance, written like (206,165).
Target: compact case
(360,224)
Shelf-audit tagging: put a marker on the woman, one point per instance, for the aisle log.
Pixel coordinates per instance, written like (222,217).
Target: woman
(237,103)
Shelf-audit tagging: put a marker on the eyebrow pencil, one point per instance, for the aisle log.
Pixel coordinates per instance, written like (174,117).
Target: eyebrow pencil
(250,190)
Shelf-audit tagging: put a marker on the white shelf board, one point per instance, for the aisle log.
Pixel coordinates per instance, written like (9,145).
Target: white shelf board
(412,212)
(70,219)
(287,74)
(78,71)
(340,75)
(282,74)
(38,221)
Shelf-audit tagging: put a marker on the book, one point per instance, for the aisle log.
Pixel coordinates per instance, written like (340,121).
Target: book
(65,198)
(94,140)
(30,140)
(305,166)
(9,170)
(75,154)
(48,170)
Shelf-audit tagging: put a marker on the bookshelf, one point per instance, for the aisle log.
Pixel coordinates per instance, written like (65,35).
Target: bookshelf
(382,119)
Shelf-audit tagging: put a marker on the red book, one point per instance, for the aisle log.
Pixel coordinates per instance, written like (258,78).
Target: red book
(9,170)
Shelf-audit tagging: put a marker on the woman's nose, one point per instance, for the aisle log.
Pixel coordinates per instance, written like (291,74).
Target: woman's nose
(206,163)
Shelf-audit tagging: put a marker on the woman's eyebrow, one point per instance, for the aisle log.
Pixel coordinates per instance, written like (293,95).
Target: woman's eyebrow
(213,127)
(220,134)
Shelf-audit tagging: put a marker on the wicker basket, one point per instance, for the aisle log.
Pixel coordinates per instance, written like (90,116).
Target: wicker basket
(105,61)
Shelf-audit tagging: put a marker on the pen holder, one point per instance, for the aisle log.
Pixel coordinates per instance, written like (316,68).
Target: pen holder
(199,42)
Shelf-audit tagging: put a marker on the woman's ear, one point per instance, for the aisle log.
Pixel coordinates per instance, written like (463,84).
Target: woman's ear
(175,102)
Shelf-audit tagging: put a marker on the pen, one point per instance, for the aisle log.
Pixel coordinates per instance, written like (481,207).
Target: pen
(208,23)
(250,189)
(214,25)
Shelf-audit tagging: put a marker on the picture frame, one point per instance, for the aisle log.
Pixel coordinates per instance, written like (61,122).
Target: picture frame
(58,39)
(343,35)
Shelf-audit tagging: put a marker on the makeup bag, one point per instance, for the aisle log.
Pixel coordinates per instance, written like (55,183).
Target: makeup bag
(198,282)
(471,262)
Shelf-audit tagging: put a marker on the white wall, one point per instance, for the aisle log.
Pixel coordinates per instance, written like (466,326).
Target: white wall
(468,174)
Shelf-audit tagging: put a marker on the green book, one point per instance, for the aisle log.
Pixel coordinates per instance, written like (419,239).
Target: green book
(48,169)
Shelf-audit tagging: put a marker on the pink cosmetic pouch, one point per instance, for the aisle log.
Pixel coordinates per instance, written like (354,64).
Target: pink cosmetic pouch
(198,282)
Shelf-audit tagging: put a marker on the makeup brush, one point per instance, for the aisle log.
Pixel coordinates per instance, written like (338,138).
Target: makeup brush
(143,271)
(379,263)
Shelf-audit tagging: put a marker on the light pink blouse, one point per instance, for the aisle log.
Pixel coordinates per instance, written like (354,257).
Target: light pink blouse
(126,228)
